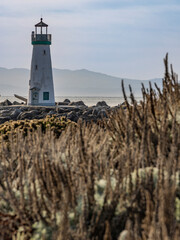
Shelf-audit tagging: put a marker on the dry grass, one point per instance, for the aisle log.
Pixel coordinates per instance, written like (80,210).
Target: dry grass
(118,179)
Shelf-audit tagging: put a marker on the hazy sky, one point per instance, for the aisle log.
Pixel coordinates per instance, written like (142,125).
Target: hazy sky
(124,38)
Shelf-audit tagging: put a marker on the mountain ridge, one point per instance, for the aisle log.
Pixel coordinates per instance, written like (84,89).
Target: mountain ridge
(80,82)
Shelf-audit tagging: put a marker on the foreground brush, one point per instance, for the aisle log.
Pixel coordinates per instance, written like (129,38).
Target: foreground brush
(115,179)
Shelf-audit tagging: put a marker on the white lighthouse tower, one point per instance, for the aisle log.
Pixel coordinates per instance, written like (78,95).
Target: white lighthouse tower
(41,88)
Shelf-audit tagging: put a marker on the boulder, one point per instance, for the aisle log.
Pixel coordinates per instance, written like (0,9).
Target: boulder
(101,104)
(45,109)
(16,103)
(15,113)
(41,115)
(4,119)
(5,112)
(51,112)
(79,113)
(28,115)
(95,111)
(78,103)
(62,103)
(102,114)
(6,103)
(66,101)
(89,118)
(72,116)
(76,109)
(87,112)
(92,117)
(60,110)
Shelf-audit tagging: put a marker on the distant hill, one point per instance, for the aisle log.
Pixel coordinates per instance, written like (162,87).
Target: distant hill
(71,83)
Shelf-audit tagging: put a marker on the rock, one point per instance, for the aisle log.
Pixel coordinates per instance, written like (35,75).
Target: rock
(75,109)
(63,110)
(102,114)
(41,115)
(79,113)
(87,112)
(95,111)
(46,109)
(28,115)
(91,117)
(60,110)
(51,112)
(67,101)
(5,112)
(4,119)
(62,103)
(23,108)
(6,103)
(102,104)
(72,116)
(15,113)
(78,103)
(16,103)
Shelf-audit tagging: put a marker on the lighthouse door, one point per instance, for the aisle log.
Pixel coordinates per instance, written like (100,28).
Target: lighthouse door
(35,97)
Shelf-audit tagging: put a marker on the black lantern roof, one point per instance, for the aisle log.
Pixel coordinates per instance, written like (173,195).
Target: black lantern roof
(41,24)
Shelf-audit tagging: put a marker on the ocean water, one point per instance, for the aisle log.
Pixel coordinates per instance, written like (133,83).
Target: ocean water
(89,101)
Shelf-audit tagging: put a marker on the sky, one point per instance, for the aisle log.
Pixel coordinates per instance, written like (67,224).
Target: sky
(123,38)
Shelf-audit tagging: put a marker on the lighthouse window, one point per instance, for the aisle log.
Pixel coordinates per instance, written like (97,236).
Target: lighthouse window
(36,67)
(44,52)
(45,95)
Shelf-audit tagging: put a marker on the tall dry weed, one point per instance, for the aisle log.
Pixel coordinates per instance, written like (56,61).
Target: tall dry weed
(114,179)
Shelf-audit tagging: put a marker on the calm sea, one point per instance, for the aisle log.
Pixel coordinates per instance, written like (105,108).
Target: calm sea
(89,101)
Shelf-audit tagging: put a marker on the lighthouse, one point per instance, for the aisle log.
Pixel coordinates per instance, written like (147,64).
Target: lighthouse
(41,88)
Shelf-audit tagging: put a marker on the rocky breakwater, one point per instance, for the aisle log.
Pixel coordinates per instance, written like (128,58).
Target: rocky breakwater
(71,110)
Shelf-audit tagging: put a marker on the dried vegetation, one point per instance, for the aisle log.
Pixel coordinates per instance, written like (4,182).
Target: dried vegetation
(117,179)
(53,123)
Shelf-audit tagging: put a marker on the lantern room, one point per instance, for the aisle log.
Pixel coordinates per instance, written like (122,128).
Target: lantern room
(41,36)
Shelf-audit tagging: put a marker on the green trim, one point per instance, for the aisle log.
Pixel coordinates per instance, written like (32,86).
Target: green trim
(41,42)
